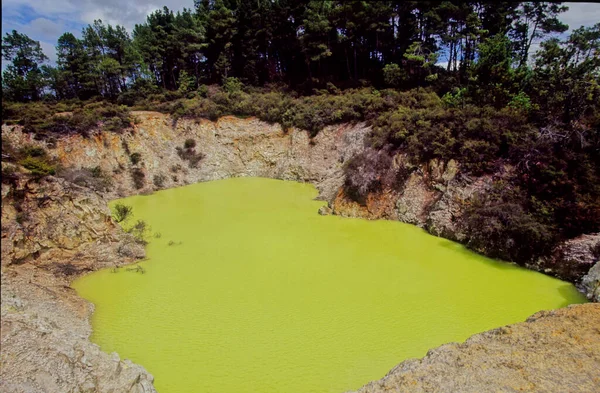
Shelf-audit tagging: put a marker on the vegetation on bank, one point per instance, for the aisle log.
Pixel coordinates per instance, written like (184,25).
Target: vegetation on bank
(310,64)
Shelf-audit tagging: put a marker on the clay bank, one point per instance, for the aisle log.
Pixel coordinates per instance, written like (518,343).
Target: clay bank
(54,231)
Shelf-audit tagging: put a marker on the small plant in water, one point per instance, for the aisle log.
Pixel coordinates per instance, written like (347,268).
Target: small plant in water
(157,235)
(122,212)
(174,243)
(136,269)
(140,231)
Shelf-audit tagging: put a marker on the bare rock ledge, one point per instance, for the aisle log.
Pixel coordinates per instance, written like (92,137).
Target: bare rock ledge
(553,351)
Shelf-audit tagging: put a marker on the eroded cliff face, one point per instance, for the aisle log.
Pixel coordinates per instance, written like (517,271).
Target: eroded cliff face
(58,225)
(436,195)
(230,147)
(53,231)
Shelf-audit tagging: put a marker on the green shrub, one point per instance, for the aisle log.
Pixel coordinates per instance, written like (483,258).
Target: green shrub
(393,75)
(32,151)
(232,85)
(189,143)
(520,103)
(140,231)
(455,99)
(122,212)
(159,180)
(38,166)
(190,155)
(498,226)
(202,91)
(135,158)
(138,177)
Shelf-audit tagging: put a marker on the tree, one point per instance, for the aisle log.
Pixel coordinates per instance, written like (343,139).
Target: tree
(534,20)
(73,63)
(495,75)
(315,36)
(22,80)
(567,76)
(419,61)
(220,30)
(393,75)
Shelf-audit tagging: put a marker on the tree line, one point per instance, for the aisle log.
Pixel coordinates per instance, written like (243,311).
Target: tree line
(301,44)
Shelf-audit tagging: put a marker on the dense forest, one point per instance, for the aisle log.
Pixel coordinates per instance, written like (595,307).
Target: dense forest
(303,44)
(446,80)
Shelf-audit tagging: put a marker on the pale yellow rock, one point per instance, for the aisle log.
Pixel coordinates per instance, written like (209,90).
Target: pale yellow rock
(553,351)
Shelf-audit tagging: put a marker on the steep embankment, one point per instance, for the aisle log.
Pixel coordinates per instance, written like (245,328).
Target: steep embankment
(54,230)
(229,147)
(153,155)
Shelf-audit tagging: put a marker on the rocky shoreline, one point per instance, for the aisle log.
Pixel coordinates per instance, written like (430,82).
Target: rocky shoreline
(54,230)
(553,351)
(45,341)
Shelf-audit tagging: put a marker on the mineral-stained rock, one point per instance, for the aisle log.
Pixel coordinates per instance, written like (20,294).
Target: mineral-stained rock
(590,284)
(45,345)
(51,222)
(52,231)
(572,259)
(230,147)
(415,200)
(553,351)
(325,210)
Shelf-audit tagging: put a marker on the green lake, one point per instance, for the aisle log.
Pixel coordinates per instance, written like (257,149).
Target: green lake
(248,289)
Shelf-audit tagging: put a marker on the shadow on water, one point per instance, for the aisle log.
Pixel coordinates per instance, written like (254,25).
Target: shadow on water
(495,263)
(569,293)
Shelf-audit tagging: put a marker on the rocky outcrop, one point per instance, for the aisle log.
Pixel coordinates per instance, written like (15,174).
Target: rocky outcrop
(53,231)
(572,259)
(230,147)
(553,351)
(45,340)
(56,224)
(590,284)
(435,196)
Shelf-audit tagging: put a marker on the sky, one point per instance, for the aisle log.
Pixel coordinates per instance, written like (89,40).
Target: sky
(46,20)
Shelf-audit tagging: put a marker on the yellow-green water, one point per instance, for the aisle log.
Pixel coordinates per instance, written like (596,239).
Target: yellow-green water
(265,295)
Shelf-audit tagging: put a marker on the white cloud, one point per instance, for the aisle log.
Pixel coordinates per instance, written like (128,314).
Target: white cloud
(581,14)
(46,20)
(49,50)
(125,13)
(44,27)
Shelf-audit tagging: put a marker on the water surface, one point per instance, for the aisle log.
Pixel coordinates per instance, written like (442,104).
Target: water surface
(259,293)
